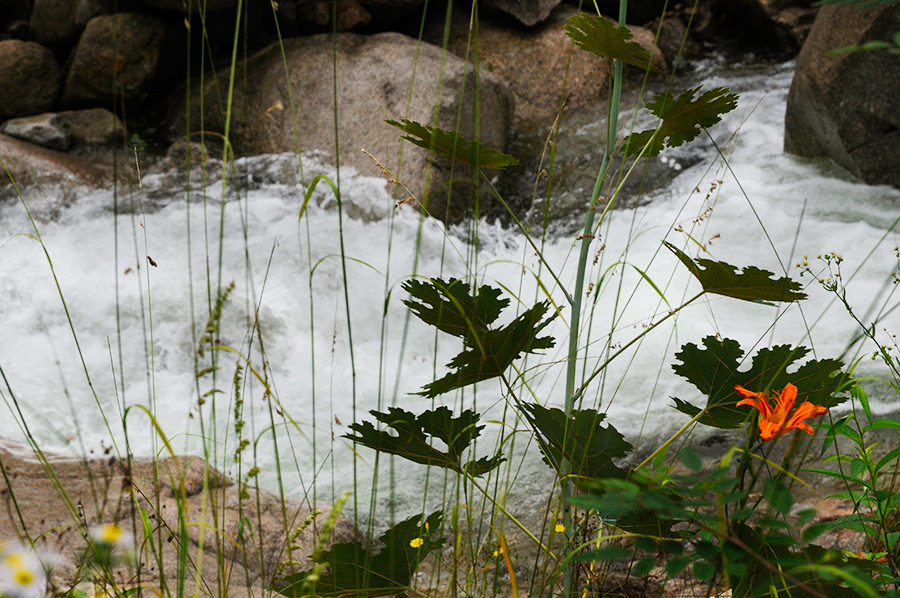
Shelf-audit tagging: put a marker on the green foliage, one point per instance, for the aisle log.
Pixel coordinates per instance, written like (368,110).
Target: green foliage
(682,119)
(606,39)
(868,481)
(751,284)
(411,439)
(637,508)
(354,571)
(762,560)
(589,446)
(713,370)
(453,308)
(453,145)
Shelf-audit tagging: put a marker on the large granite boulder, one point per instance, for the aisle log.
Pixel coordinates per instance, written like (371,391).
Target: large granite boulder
(541,65)
(844,105)
(122,55)
(274,111)
(30,79)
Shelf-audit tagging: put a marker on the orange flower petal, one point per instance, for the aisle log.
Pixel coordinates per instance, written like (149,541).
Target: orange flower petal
(778,421)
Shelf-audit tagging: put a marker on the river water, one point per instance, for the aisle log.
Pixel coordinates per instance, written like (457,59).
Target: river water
(138,325)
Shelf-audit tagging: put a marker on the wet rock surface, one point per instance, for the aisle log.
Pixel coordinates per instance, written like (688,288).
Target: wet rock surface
(376,84)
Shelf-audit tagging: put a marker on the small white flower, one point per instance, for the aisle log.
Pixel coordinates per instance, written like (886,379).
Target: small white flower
(21,573)
(111,535)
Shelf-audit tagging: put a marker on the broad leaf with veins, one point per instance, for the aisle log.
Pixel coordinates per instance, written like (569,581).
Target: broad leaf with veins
(681,119)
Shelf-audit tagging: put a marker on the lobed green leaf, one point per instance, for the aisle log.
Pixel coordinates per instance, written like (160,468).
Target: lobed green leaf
(606,39)
(713,370)
(750,284)
(412,438)
(681,119)
(581,439)
(491,352)
(453,145)
(453,307)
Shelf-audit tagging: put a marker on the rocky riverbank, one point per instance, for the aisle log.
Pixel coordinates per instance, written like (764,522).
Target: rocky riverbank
(233,536)
(83,77)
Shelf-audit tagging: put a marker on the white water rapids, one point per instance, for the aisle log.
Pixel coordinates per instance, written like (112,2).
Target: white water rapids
(133,321)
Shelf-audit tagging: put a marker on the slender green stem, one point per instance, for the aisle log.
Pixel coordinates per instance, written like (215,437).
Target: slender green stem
(509,515)
(664,446)
(580,392)
(569,585)
(538,252)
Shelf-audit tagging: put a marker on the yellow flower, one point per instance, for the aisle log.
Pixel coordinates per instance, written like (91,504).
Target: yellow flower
(778,421)
(560,528)
(416,542)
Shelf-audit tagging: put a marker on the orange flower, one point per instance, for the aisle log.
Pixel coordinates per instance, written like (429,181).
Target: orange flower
(777,422)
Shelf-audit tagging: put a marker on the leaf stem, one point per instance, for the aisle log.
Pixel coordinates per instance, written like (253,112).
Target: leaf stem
(577,395)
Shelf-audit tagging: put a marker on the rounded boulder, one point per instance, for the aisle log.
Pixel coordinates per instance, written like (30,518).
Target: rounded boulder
(124,54)
(288,106)
(844,105)
(30,79)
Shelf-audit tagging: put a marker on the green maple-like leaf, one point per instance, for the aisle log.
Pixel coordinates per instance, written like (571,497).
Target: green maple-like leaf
(410,439)
(453,145)
(714,372)
(606,39)
(453,308)
(682,119)
(491,352)
(589,446)
(354,571)
(750,284)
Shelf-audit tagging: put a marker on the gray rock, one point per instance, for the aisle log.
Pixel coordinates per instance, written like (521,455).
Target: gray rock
(374,83)
(122,54)
(674,40)
(43,129)
(31,79)
(93,127)
(844,106)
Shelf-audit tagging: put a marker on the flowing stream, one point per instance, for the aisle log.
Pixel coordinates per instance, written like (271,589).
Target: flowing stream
(138,325)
